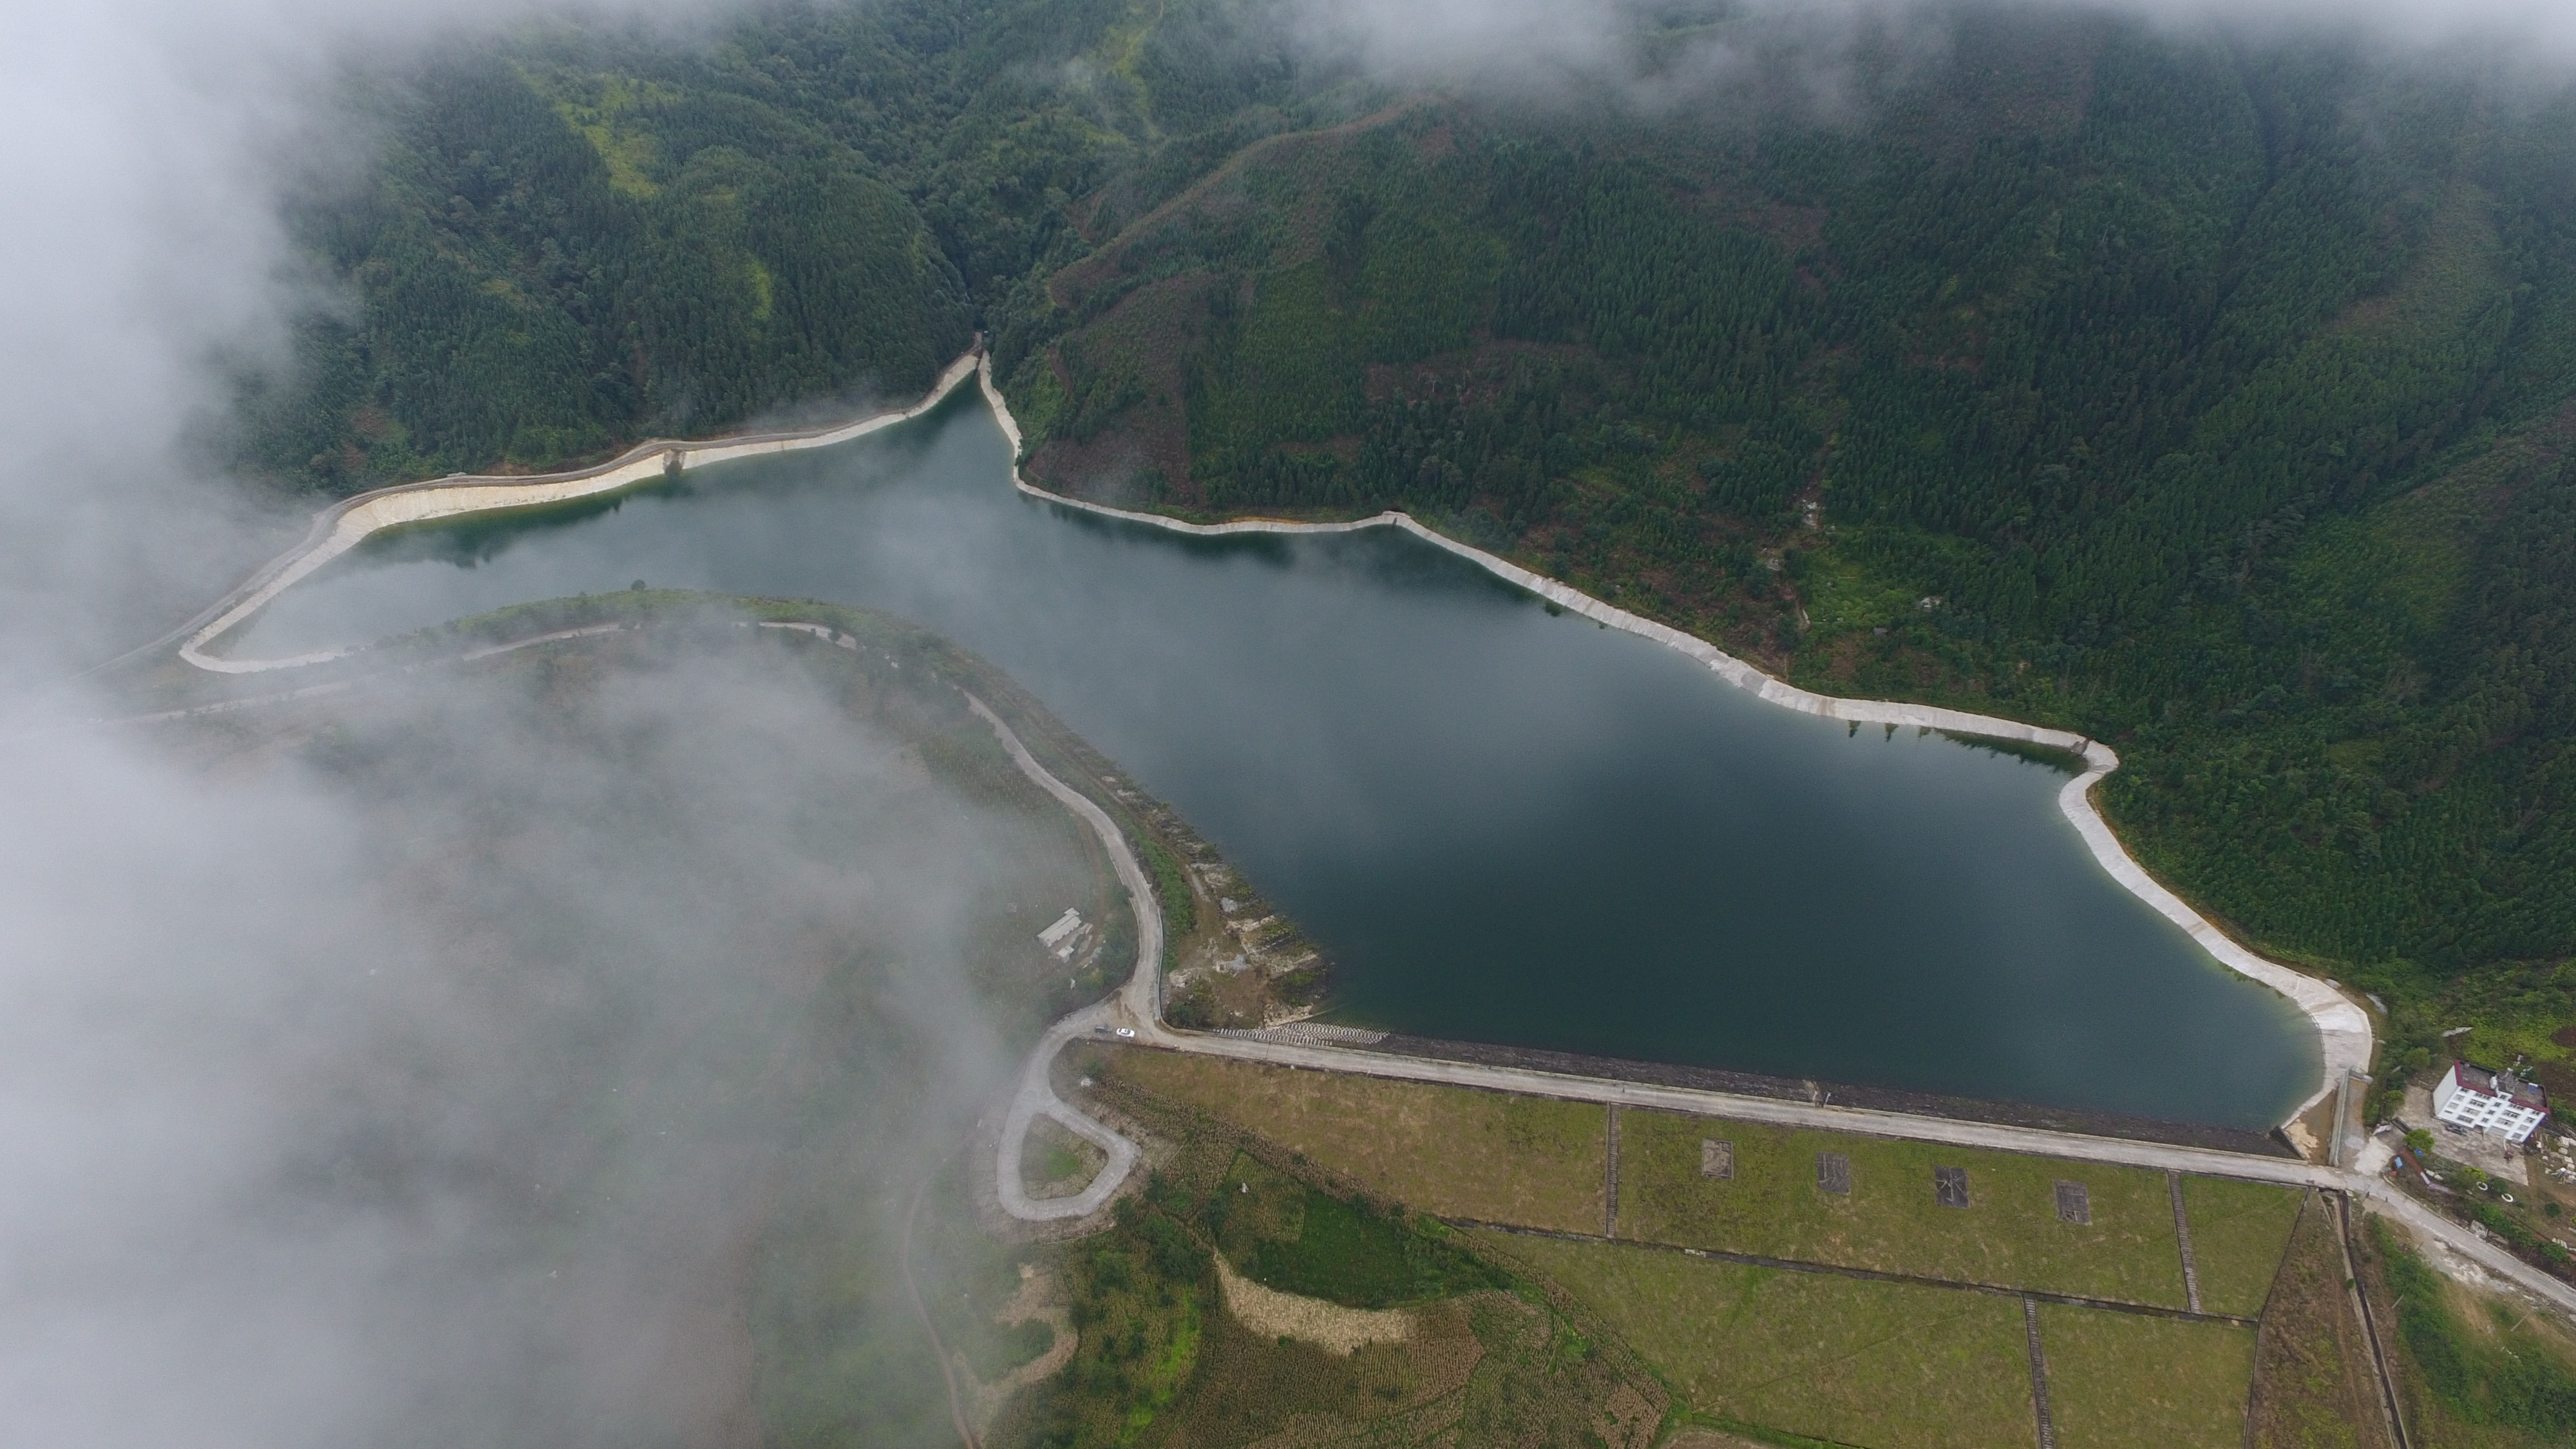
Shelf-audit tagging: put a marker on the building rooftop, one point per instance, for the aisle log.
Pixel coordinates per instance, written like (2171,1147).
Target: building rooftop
(2504,1084)
(1065,925)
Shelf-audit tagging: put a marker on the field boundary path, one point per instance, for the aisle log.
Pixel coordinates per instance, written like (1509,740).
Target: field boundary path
(2038,1372)
(1871,1275)
(2182,1241)
(2390,1414)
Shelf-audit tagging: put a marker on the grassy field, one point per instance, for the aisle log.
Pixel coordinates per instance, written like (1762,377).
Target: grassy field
(1841,1359)
(2314,1385)
(1443,1150)
(2239,1231)
(1490,1369)
(2122,1381)
(1163,1360)
(1814,1356)
(1534,1162)
(2010,1234)
(1283,1234)
(1055,1158)
(2474,1371)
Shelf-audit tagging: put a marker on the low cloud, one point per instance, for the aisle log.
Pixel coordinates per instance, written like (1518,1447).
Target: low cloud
(281,1110)
(308,1083)
(1817,54)
(429,1067)
(148,144)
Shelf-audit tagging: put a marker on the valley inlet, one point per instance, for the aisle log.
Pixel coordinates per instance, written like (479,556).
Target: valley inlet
(1502,825)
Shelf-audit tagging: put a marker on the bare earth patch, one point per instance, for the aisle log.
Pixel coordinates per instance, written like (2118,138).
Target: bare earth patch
(1040,1299)
(1329,1326)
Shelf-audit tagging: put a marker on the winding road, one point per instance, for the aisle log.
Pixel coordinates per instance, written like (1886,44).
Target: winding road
(1035,1096)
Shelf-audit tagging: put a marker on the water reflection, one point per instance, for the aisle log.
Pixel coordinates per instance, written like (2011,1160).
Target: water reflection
(1505,825)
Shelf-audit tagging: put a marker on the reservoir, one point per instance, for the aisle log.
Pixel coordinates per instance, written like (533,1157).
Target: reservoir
(1503,825)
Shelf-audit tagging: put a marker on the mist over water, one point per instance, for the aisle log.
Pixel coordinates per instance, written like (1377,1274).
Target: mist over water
(289,1072)
(1503,825)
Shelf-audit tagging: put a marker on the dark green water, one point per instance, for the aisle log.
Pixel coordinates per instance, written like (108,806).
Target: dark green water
(1504,825)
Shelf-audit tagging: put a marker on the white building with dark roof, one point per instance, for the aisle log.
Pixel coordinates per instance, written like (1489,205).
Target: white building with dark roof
(2489,1101)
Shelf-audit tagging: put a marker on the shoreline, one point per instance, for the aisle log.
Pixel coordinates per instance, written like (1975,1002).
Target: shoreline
(1896,1116)
(351,521)
(2345,1036)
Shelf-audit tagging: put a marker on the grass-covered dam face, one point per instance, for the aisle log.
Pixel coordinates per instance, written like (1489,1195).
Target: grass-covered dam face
(1501,824)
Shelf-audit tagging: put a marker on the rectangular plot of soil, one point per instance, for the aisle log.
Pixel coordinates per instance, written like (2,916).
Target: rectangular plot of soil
(1836,1359)
(1716,1159)
(2121,1381)
(2074,1203)
(1950,1186)
(1833,1173)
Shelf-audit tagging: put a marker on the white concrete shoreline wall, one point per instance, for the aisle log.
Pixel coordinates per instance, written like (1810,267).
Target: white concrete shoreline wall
(347,524)
(2343,1028)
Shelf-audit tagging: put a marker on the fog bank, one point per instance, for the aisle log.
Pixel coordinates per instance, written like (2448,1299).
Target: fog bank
(417,1078)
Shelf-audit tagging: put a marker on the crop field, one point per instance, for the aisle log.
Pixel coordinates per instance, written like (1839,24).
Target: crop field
(2124,1381)
(2010,1233)
(1816,1356)
(2314,1384)
(1840,1359)
(2239,1230)
(1535,1162)
(1449,1151)
(1166,1356)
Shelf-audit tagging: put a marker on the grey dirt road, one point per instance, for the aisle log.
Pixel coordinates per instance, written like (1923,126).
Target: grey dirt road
(1035,1096)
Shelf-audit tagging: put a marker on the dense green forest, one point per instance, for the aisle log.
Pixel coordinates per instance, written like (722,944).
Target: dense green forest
(2212,398)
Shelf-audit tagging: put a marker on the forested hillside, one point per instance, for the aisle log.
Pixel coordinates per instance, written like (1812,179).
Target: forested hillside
(2211,398)
(551,262)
